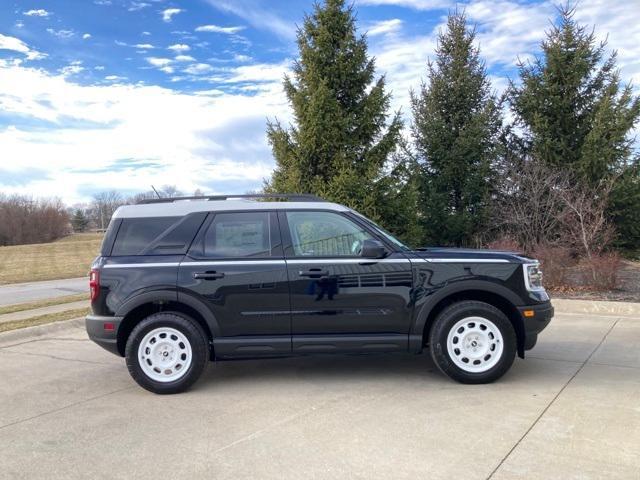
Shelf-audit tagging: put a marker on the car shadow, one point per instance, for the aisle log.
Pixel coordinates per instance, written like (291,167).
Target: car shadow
(338,369)
(319,368)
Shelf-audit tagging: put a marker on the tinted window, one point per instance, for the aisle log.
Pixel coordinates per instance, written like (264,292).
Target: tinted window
(238,235)
(136,234)
(324,234)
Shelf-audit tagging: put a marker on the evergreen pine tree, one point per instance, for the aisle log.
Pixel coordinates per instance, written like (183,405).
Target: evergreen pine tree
(578,117)
(79,221)
(456,128)
(341,139)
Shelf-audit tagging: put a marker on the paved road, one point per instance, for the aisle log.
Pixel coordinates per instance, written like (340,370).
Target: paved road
(29,292)
(571,410)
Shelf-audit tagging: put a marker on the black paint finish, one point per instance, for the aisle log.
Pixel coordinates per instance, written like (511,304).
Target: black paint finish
(276,303)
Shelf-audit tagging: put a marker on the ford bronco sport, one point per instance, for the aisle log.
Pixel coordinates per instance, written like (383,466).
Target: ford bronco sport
(182,281)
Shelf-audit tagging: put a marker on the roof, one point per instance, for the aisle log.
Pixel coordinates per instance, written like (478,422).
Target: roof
(184,207)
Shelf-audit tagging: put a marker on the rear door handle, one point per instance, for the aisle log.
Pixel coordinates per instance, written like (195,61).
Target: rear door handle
(313,273)
(208,275)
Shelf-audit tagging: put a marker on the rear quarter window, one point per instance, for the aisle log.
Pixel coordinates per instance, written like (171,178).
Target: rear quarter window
(135,234)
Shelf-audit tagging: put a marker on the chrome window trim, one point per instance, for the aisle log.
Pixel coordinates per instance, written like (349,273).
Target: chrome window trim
(466,260)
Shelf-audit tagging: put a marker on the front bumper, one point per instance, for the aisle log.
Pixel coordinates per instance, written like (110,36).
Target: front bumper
(535,319)
(107,338)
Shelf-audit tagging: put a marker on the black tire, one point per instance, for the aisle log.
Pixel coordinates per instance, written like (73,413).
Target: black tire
(196,338)
(454,314)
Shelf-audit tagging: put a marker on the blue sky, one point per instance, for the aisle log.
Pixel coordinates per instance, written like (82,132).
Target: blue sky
(121,94)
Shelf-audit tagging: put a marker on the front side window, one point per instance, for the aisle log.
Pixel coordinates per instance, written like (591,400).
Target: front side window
(383,232)
(234,235)
(324,234)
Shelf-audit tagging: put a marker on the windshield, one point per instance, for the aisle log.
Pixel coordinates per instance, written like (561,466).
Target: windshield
(383,232)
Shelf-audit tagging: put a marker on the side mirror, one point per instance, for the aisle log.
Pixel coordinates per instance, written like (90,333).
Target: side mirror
(372,249)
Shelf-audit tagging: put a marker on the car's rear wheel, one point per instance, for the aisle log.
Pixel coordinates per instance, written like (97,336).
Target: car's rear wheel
(473,342)
(166,352)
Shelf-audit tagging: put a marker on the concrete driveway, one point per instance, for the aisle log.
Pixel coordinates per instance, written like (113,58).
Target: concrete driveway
(29,292)
(571,410)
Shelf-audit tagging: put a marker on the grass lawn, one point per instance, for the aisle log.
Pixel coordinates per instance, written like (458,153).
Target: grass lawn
(66,258)
(42,319)
(21,307)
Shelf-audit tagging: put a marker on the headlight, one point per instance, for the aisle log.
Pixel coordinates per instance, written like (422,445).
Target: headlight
(533,276)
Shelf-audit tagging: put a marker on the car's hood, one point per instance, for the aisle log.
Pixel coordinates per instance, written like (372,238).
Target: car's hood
(471,254)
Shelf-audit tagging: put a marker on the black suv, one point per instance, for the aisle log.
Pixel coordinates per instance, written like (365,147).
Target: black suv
(183,281)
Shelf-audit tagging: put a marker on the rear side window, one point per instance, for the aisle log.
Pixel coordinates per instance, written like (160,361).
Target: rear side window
(234,235)
(135,234)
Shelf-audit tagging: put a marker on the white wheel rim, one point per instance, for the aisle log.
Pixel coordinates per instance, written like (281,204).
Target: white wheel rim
(165,354)
(475,344)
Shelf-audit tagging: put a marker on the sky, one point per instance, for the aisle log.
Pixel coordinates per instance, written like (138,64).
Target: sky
(100,95)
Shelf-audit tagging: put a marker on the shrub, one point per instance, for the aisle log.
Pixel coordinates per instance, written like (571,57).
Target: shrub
(25,220)
(505,243)
(555,262)
(601,272)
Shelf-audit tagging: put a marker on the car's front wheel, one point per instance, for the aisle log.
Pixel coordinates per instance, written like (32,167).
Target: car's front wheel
(166,352)
(473,342)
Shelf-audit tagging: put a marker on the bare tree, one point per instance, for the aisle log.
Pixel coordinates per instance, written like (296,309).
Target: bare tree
(585,225)
(104,205)
(528,207)
(170,191)
(25,220)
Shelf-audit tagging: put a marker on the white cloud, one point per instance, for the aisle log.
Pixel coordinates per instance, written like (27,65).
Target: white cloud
(257,73)
(114,78)
(218,29)
(508,30)
(179,47)
(262,18)
(86,36)
(384,27)
(134,6)
(403,60)
(40,12)
(242,58)
(99,67)
(616,22)
(61,33)
(184,58)
(144,46)
(71,69)
(192,141)
(168,13)
(415,4)
(17,45)
(159,62)
(145,33)
(19,24)
(198,69)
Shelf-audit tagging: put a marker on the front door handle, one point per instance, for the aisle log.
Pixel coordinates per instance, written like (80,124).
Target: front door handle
(208,275)
(313,273)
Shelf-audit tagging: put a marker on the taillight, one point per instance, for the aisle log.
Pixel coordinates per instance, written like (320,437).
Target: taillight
(94,284)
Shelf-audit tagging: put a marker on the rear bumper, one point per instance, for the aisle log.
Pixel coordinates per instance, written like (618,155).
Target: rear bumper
(535,322)
(106,338)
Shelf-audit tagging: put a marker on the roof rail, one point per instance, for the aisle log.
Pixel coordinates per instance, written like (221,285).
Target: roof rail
(292,197)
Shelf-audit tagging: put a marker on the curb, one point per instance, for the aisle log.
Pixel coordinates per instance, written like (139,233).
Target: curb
(597,307)
(40,330)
